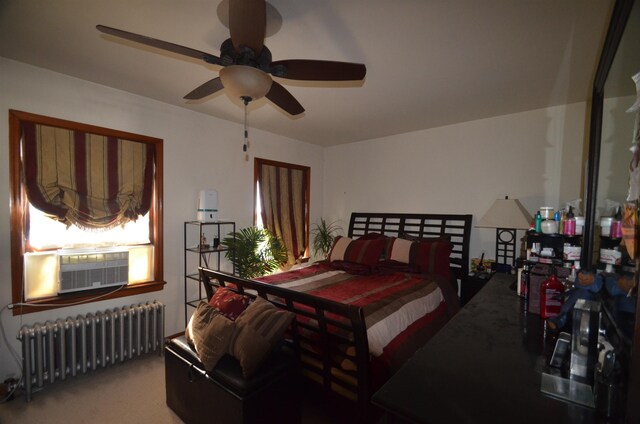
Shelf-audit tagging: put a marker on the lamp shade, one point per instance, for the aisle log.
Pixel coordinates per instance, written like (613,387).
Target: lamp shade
(245,81)
(506,213)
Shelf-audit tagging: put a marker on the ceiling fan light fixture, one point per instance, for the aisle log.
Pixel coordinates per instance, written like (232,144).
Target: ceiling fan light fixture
(245,81)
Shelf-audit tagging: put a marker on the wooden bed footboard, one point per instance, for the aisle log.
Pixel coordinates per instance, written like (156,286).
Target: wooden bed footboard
(330,338)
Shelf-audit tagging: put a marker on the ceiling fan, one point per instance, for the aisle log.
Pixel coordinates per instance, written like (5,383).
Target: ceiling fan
(246,62)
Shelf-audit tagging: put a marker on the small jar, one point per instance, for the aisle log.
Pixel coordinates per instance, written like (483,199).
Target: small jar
(549,226)
(579,225)
(605,226)
(546,212)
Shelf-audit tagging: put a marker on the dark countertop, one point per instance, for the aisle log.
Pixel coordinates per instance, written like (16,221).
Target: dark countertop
(484,366)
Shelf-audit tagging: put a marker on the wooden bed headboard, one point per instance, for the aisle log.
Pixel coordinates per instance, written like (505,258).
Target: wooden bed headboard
(457,227)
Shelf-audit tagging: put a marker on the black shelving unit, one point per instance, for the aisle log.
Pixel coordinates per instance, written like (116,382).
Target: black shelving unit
(200,252)
(555,242)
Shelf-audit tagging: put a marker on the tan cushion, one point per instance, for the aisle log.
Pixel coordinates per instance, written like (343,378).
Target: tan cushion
(258,330)
(210,333)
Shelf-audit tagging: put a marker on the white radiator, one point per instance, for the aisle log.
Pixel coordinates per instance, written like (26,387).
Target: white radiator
(56,350)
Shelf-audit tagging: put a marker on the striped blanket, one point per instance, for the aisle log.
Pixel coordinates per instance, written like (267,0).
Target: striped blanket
(391,302)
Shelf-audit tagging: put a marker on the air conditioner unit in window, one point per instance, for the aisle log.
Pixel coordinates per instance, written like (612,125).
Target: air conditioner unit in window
(85,269)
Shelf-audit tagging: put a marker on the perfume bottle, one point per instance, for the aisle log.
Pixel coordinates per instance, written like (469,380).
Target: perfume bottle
(616,225)
(569,228)
(551,292)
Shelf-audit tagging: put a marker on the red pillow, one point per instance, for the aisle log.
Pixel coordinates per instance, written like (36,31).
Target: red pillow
(366,252)
(229,303)
(431,257)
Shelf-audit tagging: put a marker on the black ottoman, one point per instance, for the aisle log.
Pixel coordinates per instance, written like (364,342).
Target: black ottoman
(224,395)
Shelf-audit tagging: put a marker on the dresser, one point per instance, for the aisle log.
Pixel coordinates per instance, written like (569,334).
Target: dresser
(484,366)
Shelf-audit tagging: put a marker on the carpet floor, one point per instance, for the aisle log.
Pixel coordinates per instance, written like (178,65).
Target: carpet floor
(132,392)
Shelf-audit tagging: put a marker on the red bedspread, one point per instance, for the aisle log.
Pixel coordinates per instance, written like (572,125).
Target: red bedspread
(401,310)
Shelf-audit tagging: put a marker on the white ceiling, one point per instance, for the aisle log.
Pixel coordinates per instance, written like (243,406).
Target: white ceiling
(429,62)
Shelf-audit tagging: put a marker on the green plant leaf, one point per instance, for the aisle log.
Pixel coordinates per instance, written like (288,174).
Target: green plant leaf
(323,236)
(254,251)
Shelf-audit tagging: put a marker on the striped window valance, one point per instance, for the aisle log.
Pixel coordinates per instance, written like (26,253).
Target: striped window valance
(88,180)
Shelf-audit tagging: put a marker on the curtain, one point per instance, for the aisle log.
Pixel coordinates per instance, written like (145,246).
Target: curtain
(283,198)
(88,180)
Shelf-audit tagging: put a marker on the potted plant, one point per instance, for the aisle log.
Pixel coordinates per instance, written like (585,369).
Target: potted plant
(323,236)
(254,251)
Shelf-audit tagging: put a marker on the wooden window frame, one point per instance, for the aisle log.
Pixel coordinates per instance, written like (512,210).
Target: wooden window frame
(256,166)
(18,206)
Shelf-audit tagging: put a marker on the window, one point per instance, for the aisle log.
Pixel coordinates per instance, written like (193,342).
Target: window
(282,204)
(82,193)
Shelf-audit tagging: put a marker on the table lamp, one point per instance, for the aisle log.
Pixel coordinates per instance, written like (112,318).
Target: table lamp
(506,216)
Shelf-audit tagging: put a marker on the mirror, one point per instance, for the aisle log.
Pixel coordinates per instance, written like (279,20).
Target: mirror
(617,130)
(617,123)
(610,138)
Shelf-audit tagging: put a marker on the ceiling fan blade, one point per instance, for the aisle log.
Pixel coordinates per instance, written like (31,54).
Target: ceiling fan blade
(164,45)
(320,70)
(247,24)
(281,97)
(206,89)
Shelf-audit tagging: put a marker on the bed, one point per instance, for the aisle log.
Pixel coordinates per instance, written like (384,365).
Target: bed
(346,305)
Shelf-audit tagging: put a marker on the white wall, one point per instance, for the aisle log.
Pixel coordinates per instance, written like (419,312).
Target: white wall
(200,152)
(534,156)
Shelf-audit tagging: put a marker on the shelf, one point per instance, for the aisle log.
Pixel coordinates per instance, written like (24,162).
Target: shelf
(206,250)
(534,235)
(195,256)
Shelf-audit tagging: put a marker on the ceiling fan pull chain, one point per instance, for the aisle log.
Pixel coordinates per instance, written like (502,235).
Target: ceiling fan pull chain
(245,146)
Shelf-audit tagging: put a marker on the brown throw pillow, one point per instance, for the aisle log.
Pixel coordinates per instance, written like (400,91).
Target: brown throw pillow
(209,332)
(258,330)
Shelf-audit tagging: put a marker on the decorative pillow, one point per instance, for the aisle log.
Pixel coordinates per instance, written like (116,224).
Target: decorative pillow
(371,236)
(229,303)
(431,257)
(365,252)
(378,236)
(258,329)
(210,333)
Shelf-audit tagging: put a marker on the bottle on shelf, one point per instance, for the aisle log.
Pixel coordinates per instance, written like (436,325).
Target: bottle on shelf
(616,225)
(551,292)
(569,227)
(538,222)
(480,266)
(572,277)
